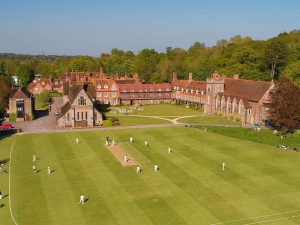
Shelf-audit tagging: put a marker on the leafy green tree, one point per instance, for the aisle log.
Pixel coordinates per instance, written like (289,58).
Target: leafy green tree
(276,57)
(145,63)
(25,74)
(5,92)
(292,72)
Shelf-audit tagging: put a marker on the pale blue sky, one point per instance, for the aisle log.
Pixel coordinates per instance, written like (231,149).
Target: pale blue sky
(92,27)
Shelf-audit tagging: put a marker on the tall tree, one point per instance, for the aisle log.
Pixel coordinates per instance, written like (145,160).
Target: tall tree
(25,74)
(284,107)
(292,72)
(4,94)
(276,56)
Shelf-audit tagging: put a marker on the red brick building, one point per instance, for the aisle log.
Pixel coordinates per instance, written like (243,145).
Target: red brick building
(245,98)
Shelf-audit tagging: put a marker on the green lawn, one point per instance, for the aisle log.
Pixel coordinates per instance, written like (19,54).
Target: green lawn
(208,120)
(190,187)
(162,110)
(41,105)
(135,120)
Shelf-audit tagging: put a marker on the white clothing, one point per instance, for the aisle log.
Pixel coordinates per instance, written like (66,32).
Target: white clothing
(49,170)
(33,158)
(138,169)
(77,140)
(155,168)
(81,201)
(131,139)
(146,143)
(125,159)
(223,166)
(169,151)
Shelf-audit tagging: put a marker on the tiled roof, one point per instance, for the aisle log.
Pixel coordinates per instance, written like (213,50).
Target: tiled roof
(20,93)
(190,84)
(65,108)
(143,87)
(250,89)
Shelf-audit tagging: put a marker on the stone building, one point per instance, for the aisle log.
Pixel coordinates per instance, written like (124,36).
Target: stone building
(79,109)
(21,103)
(236,96)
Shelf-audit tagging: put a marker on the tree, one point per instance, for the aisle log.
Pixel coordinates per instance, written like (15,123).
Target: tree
(276,56)
(5,92)
(292,72)
(25,74)
(284,107)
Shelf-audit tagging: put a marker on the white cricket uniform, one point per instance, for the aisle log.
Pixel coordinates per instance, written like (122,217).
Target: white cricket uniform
(131,139)
(77,140)
(155,168)
(49,170)
(81,201)
(138,169)
(146,143)
(33,158)
(223,166)
(125,159)
(169,151)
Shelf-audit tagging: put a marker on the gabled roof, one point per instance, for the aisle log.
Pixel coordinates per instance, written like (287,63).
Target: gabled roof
(20,92)
(250,89)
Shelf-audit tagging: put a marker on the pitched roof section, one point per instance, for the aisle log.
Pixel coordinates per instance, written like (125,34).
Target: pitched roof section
(20,93)
(190,84)
(144,87)
(249,89)
(65,108)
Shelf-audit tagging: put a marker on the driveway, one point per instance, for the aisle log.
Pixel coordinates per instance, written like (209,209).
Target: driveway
(45,120)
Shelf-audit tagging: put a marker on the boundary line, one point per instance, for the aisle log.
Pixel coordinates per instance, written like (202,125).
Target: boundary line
(266,221)
(256,217)
(9,178)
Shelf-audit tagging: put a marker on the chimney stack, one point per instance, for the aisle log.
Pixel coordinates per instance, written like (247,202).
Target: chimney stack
(190,76)
(174,77)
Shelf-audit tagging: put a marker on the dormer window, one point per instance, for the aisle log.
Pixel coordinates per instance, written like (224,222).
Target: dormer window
(159,89)
(197,91)
(98,86)
(105,86)
(56,83)
(43,83)
(113,87)
(81,101)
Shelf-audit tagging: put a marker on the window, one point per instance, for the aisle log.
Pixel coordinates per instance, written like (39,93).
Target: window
(113,87)
(43,83)
(68,116)
(159,89)
(82,116)
(99,94)
(105,86)
(98,86)
(36,89)
(249,111)
(114,94)
(106,101)
(105,94)
(77,115)
(86,115)
(56,83)
(61,82)
(81,101)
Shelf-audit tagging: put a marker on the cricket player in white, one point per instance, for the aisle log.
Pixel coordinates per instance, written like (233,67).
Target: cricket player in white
(155,168)
(106,143)
(146,143)
(113,142)
(223,166)
(169,150)
(33,168)
(33,158)
(131,140)
(49,170)
(77,140)
(81,201)
(138,169)
(125,159)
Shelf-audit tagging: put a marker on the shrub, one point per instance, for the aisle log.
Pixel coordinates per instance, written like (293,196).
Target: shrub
(12,117)
(115,121)
(106,123)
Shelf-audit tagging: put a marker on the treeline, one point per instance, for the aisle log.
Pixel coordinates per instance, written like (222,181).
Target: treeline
(251,59)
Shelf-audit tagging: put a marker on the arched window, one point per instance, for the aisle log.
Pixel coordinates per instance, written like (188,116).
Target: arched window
(81,101)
